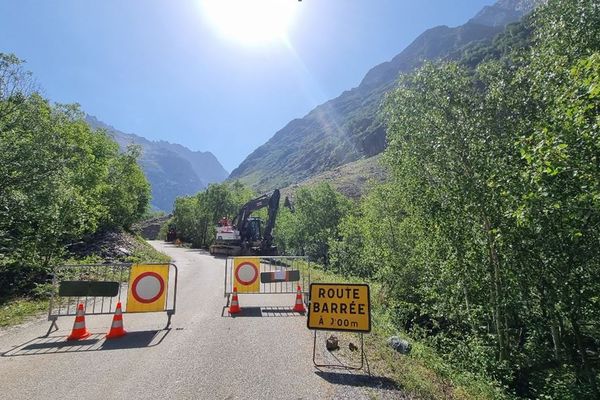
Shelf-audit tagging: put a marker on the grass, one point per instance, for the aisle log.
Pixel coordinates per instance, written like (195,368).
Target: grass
(422,373)
(16,310)
(146,253)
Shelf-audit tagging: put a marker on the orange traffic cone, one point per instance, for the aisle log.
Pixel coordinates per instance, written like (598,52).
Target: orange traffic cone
(79,329)
(299,307)
(234,308)
(116,329)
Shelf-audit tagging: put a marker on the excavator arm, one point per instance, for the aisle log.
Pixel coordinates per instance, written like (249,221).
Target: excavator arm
(272,216)
(268,200)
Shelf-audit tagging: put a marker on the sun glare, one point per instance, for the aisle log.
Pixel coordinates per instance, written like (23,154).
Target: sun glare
(251,21)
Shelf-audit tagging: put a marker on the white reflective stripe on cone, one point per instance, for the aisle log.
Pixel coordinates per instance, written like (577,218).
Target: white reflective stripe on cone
(79,325)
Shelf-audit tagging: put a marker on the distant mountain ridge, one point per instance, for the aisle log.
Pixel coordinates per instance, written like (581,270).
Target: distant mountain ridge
(346,129)
(172,169)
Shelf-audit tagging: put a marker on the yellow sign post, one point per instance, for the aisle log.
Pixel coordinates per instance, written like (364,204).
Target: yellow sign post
(148,286)
(339,307)
(246,273)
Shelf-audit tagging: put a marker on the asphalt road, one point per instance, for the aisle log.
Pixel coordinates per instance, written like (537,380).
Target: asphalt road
(205,355)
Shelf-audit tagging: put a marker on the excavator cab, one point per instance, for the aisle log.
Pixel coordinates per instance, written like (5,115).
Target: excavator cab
(254,229)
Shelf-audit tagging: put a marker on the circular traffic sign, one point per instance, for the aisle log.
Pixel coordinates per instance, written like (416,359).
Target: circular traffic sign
(148,287)
(246,273)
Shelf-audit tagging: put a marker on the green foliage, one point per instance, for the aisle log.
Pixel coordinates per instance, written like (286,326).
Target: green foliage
(164,229)
(514,42)
(485,238)
(59,180)
(145,253)
(308,231)
(16,311)
(128,200)
(369,241)
(195,217)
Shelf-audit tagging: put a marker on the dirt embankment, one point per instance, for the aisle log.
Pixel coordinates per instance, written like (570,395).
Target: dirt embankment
(108,246)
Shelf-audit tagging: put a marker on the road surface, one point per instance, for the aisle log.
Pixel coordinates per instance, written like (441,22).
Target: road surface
(205,355)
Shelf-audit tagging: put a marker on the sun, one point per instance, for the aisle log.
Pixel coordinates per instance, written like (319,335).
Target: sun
(251,21)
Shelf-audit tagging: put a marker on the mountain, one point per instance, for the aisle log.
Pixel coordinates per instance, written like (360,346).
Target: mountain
(352,179)
(172,170)
(346,128)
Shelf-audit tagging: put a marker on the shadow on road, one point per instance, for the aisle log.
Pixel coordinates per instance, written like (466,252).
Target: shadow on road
(267,311)
(96,342)
(361,380)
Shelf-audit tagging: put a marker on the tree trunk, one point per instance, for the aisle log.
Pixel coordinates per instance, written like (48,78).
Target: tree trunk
(555,340)
(496,292)
(589,372)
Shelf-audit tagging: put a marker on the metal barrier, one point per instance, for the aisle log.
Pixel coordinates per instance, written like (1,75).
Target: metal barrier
(274,264)
(99,287)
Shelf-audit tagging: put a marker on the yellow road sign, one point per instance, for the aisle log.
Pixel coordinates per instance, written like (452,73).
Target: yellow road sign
(246,273)
(339,307)
(148,285)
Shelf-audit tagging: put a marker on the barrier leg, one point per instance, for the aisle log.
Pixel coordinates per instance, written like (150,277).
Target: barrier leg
(53,325)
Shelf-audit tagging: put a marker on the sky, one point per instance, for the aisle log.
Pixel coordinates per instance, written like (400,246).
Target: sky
(186,73)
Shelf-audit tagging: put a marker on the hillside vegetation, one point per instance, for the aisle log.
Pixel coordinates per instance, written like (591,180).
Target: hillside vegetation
(485,237)
(60,180)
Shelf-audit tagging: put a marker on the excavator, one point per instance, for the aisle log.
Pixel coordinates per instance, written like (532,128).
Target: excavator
(244,235)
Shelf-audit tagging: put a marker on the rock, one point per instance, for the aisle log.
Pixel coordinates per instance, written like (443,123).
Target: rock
(114,246)
(400,345)
(332,343)
(150,228)
(352,346)
(123,250)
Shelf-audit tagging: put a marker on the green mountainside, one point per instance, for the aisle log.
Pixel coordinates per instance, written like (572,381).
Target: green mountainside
(172,170)
(346,128)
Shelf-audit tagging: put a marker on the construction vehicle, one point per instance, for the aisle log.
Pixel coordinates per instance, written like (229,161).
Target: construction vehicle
(171,234)
(245,235)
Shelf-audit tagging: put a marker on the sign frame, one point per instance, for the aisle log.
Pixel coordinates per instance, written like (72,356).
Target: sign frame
(338,328)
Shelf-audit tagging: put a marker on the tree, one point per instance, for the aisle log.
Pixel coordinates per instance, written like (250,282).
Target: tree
(196,216)
(308,231)
(59,180)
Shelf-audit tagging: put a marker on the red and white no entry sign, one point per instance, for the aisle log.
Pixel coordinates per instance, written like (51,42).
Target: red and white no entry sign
(148,287)
(246,274)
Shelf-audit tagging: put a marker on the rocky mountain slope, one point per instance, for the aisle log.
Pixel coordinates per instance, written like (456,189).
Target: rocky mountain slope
(172,170)
(346,128)
(352,179)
